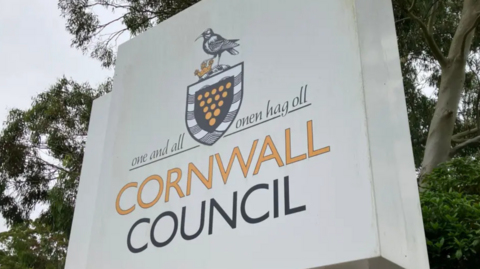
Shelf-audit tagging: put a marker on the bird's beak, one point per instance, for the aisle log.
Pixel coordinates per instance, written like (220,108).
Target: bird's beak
(198,37)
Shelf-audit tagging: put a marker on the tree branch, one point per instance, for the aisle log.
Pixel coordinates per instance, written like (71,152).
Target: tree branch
(51,165)
(432,17)
(403,19)
(458,147)
(112,36)
(437,53)
(412,5)
(469,31)
(103,26)
(458,137)
(128,7)
(92,5)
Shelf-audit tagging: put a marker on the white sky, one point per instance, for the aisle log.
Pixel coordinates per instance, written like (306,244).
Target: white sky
(35,51)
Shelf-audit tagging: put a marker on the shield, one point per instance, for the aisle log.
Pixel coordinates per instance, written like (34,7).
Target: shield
(213,104)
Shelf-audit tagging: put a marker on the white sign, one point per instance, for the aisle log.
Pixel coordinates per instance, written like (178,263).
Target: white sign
(253,134)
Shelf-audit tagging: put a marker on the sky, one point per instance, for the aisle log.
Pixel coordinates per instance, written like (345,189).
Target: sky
(35,51)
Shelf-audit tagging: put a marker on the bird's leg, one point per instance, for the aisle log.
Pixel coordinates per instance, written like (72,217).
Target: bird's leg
(219,56)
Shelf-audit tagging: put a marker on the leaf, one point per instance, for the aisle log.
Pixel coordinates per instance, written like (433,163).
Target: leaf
(458,254)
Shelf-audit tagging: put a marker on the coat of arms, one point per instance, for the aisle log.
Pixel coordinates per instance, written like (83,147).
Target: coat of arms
(214,100)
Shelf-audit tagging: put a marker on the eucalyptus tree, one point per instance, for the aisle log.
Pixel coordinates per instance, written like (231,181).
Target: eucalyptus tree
(98,38)
(41,154)
(438,37)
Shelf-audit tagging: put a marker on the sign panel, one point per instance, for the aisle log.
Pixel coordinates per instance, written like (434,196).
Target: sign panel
(238,137)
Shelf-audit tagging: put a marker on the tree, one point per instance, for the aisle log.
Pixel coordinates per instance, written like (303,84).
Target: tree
(448,29)
(32,245)
(41,153)
(135,16)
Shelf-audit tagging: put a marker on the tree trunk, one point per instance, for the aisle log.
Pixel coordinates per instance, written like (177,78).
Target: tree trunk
(438,147)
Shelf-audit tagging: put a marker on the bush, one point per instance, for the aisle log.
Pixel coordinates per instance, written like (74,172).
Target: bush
(451,214)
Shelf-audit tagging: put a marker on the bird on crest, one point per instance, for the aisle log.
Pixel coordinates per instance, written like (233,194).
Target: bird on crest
(215,44)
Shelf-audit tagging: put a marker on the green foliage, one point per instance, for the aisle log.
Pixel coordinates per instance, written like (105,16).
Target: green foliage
(136,16)
(451,214)
(32,245)
(41,153)
(461,175)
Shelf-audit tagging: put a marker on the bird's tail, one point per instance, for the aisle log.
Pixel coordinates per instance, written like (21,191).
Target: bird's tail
(233,51)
